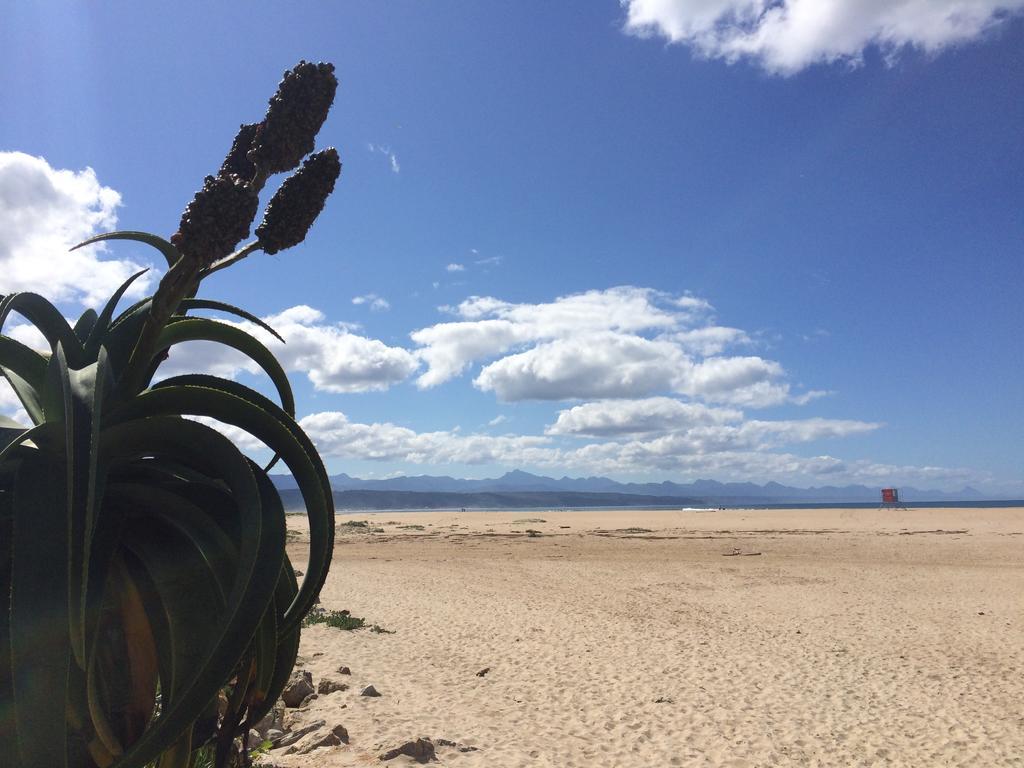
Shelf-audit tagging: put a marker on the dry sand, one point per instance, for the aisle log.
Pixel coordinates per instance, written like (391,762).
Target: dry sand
(855,638)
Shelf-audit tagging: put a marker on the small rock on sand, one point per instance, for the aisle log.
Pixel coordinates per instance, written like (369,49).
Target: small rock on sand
(300,685)
(343,670)
(327,686)
(333,738)
(483,671)
(369,691)
(274,720)
(296,735)
(421,750)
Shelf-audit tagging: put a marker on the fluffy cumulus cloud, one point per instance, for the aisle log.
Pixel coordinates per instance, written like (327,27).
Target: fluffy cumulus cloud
(44,211)
(785,36)
(596,365)
(623,342)
(653,415)
(333,357)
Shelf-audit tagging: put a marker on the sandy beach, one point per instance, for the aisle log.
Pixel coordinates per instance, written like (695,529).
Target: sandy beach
(839,637)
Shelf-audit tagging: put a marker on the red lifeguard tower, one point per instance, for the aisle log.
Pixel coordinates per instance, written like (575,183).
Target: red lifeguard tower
(891,499)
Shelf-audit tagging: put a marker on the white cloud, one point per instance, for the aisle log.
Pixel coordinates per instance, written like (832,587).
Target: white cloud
(9,401)
(667,426)
(813,394)
(334,358)
(453,267)
(653,415)
(620,342)
(595,365)
(389,154)
(375,302)
(711,340)
(335,435)
(766,434)
(785,36)
(28,335)
(718,375)
(499,419)
(449,348)
(45,211)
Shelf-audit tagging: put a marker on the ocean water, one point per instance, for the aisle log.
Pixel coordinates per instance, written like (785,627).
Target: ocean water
(989,504)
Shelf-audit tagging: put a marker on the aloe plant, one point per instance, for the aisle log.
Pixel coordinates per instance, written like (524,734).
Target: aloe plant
(148,610)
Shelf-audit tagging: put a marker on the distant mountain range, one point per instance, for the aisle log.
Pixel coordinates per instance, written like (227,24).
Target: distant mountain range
(522,489)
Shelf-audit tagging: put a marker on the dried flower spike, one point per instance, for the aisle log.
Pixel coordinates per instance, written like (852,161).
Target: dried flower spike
(217,219)
(294,117)
(298,202)
(237,162)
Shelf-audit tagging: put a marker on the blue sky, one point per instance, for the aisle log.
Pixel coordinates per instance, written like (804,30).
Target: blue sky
(652,240)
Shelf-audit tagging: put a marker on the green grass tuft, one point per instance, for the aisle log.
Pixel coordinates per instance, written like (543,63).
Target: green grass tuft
(336,619)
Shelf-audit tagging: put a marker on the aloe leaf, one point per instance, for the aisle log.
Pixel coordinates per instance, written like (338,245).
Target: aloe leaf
(156,615)
(102,324)
(83,403)
(123,334)
(40,647)
(170,509)
(23,360)
(169,252)
(207,494)
(203,329)
(179,755)
(10,431)
(287,644)
(45,317)
(220,306)
(232,403)
(85,325)
(39,433)
(141,654)
(184,585)
(265,642)
(188,589)
(139,308)
(121,673)
(25,370)
(7,727)
(259,564)
(56,397)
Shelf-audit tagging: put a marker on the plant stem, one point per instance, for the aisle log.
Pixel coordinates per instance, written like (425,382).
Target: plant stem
(180,281)
(227,261)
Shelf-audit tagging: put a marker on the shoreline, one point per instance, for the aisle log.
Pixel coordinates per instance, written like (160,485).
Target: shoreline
(866,505)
